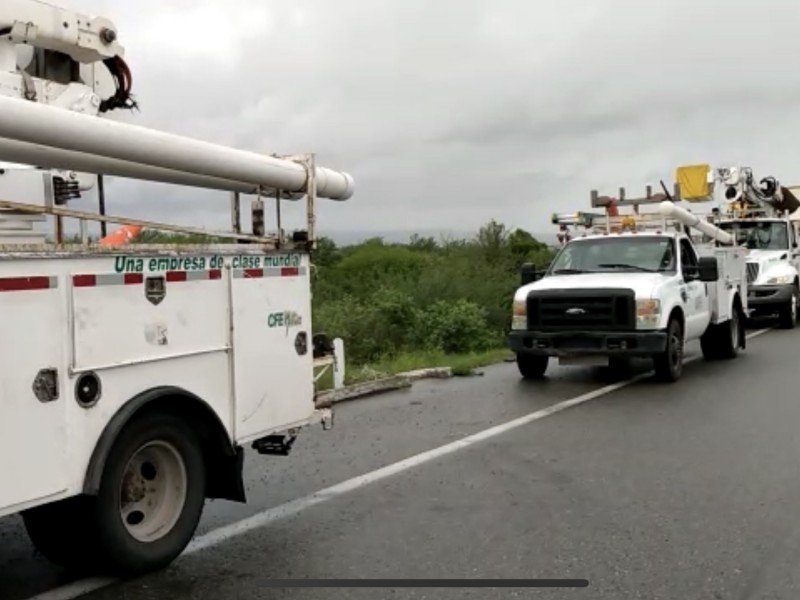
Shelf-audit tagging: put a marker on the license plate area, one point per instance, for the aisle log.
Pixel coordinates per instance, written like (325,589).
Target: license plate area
(583,361)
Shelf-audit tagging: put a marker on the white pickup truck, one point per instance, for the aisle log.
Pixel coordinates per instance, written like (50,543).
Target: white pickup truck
(607,297)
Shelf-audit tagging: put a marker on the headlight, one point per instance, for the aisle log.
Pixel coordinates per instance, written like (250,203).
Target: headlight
(780,280)
(648,313)
(520,315)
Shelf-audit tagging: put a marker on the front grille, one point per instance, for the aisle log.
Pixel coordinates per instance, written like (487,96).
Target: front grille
(598,309)
(752,272)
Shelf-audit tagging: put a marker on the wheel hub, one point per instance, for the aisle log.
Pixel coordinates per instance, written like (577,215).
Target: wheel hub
(133,488)
(676,348)
(153,491)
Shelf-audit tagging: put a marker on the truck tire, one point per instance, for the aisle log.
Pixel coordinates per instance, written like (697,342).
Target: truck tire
(151,495)
(669,364)
(532,366)
(787,315)
(63,532)
(723,340)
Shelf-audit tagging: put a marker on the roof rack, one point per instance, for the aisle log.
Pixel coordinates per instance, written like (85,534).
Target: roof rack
(605,223)
(581,218)
(614,220)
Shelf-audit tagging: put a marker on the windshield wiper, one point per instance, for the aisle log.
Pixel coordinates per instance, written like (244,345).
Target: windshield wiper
(626,266)
(567,271)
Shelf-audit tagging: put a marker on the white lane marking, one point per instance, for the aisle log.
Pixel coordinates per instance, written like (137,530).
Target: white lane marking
(293,507)
(74,590)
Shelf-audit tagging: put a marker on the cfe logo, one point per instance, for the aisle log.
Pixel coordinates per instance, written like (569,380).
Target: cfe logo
(287,319)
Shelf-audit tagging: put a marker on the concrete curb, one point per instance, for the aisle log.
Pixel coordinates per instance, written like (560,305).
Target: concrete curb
(434,373)
(385,384)
(364,389)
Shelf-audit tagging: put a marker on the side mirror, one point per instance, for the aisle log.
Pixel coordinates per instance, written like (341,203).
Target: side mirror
(528,274)
(708,269)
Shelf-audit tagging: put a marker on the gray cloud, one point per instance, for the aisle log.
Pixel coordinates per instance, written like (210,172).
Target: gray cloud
(449,113)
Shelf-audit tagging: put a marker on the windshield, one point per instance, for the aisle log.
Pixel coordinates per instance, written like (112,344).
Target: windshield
(608,255)
(759,235)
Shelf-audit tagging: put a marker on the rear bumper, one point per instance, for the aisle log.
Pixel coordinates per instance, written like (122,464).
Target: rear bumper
(768,296)
(588,343)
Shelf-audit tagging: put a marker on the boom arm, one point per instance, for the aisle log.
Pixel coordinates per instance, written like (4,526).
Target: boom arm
(55,158)
(66,130)
(51,118)
(51,132)
(669,209)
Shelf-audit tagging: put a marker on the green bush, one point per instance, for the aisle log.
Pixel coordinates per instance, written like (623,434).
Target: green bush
(424,296)
(453,327)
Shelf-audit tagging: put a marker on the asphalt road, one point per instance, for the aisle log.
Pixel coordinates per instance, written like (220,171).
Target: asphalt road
(686,491)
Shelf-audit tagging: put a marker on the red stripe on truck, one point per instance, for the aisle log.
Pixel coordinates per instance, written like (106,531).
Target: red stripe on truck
(173,276)
(84,280)
(94,280)
(25,284)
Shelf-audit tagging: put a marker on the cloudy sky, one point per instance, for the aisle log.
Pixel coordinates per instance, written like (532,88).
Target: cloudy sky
(451,112)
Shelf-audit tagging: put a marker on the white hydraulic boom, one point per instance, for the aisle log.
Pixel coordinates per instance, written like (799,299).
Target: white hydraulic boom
(669,209)
(48,126)
(770,199)
(50,118)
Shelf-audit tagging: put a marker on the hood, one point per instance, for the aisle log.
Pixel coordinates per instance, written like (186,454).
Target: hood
(773,267)
(766,256)
(642,284)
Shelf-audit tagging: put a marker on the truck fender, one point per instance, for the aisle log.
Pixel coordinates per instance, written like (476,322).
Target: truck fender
(670,310)
(224,460)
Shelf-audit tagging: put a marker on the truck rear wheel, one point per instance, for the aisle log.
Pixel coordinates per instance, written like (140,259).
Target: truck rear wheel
(722,341)
(532,366)
(151,495)
(63,532)
(669,364)
(787,314)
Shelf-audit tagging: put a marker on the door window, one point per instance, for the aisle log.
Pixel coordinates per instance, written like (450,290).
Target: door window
(689,263)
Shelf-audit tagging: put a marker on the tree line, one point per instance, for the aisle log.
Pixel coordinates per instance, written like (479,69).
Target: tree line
(450,296)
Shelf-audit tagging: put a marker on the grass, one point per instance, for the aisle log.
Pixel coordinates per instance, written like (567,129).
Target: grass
(461,365)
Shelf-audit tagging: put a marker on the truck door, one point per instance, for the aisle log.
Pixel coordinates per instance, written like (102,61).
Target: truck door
(793,249)
(694,294)
(274,364)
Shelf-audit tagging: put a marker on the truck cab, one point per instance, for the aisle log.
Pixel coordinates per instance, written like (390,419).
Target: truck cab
(607,297)
(773,264)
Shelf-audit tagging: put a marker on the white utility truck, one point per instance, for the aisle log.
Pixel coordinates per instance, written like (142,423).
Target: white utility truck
(132,378)
(631,286)
(760,218)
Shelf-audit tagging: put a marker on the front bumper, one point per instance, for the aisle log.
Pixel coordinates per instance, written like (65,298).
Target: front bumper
(763,296)
(588,343)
